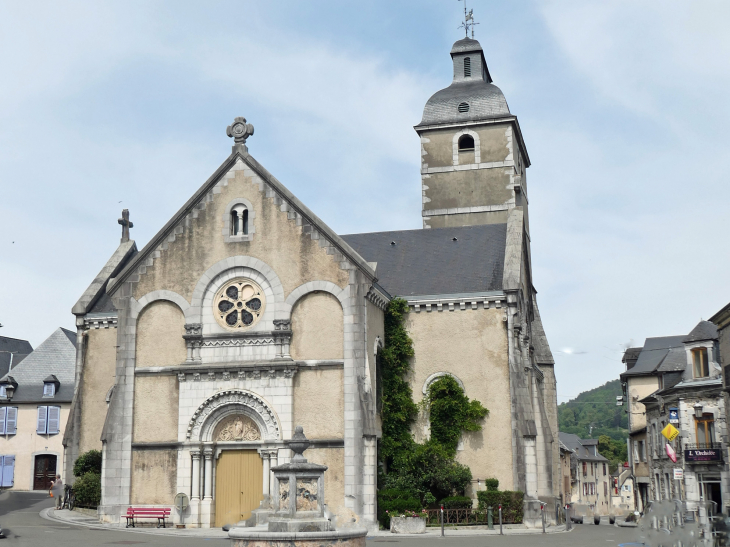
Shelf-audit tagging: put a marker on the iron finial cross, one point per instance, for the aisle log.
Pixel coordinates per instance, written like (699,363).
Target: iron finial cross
(468,21)
(126,225)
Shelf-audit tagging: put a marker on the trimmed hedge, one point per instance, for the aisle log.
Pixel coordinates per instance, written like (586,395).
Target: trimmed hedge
(492,484)
(395,501)
(88,490)
(512,509)
(457,502)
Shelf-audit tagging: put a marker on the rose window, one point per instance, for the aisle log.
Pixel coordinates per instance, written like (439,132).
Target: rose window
(239,304)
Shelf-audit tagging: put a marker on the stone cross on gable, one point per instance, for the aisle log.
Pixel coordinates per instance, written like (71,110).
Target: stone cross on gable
(126,225)
(240,131)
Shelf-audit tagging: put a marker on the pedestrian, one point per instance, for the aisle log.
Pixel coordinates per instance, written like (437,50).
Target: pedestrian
(57,491)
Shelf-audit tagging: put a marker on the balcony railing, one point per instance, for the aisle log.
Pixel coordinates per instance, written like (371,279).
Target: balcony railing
(703,446)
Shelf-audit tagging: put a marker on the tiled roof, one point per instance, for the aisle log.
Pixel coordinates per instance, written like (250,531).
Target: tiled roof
(437,261)
(57,356)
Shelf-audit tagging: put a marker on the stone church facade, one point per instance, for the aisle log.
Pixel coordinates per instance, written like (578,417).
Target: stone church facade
(246,315)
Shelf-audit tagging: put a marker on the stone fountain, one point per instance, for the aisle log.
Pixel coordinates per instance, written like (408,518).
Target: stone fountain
(296,516)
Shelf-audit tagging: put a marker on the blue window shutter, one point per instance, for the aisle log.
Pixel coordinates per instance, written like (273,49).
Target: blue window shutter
(54,419)
(11,420)
(41,427)
(3,410)
(8,471)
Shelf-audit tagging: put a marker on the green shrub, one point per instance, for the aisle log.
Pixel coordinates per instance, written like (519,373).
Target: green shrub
(492,484)
(512,510)
(457,502)
(395,501)
(88,490)
(88,462)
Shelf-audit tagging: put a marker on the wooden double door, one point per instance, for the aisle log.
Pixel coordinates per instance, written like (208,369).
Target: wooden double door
(45,471)
(239,485)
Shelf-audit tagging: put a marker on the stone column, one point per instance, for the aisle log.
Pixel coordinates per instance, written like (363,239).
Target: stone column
(265,456)
(195,494)
(239,214)
(274,461)
(208,474)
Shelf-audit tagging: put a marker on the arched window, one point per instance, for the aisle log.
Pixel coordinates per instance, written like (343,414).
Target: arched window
(239,220)
(467,67)
(466,143)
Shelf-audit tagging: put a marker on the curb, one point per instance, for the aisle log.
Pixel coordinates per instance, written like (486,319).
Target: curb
(173,532)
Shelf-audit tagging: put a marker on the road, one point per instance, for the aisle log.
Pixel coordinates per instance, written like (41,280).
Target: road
(23,526)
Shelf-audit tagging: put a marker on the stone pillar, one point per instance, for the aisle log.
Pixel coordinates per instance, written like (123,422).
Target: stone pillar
(195,494)
(239,214)
(274,461)
(267,472)
(208,474)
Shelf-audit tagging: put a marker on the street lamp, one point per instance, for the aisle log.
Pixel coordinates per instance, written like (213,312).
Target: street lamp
(9,384)
(698,410)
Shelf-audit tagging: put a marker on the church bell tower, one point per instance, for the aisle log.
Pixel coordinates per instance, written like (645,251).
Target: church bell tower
(473,158)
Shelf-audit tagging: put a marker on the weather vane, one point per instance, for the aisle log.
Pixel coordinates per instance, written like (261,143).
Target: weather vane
(468,21)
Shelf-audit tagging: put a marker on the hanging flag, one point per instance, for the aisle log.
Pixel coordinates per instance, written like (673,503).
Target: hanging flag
(670,453)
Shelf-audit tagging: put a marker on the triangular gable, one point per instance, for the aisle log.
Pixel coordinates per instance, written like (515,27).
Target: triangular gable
(273,188)
(98,286)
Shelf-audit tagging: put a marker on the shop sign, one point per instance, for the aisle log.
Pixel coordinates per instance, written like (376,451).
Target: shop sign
(703,455)
(678,473)
(670,432)
(673,415)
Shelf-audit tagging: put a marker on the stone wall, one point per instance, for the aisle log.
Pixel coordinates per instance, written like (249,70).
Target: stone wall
(160,330)
(317,327)
(319,403)
(95,382)
(471,345)
(154,474)
(156,403)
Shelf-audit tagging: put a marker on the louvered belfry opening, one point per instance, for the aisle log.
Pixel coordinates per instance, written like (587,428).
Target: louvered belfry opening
(463,107)
(467,67)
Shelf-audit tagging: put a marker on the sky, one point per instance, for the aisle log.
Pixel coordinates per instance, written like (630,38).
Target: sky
(623,107)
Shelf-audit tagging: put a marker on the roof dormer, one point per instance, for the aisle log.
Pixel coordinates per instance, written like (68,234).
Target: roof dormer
(51,386)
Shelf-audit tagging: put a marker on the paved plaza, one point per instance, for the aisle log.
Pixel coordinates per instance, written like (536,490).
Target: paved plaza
(21,520)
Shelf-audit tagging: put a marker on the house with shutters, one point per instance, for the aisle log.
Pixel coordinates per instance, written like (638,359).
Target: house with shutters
(35,399)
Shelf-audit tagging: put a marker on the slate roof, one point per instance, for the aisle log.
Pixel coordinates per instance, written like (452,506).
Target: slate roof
(12,352)
(432,262)
(653,353)
(675,361)
(485,99)
(57,356)
(703,331)
(630,357)
(578,446)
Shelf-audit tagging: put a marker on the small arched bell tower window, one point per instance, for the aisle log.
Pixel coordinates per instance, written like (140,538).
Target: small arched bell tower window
(239,220)
(466,143)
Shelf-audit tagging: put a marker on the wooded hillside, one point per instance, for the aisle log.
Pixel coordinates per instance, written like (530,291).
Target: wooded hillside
(596,407)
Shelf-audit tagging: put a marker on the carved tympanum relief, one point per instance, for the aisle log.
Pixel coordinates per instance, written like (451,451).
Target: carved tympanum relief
(237,428)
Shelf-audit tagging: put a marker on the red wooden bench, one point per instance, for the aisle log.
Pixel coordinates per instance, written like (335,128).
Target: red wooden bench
(159,513)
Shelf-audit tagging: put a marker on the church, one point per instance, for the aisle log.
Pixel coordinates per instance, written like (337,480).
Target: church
(246,316)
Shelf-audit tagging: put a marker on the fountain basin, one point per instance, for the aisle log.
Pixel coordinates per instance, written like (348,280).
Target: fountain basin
(247,537)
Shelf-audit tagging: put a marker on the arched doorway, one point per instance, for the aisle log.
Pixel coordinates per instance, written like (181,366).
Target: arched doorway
(239,475)
(239,479)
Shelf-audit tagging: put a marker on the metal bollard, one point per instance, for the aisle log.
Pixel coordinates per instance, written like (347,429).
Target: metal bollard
(442,520)
(501,533)
(542,514)
(490,518)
